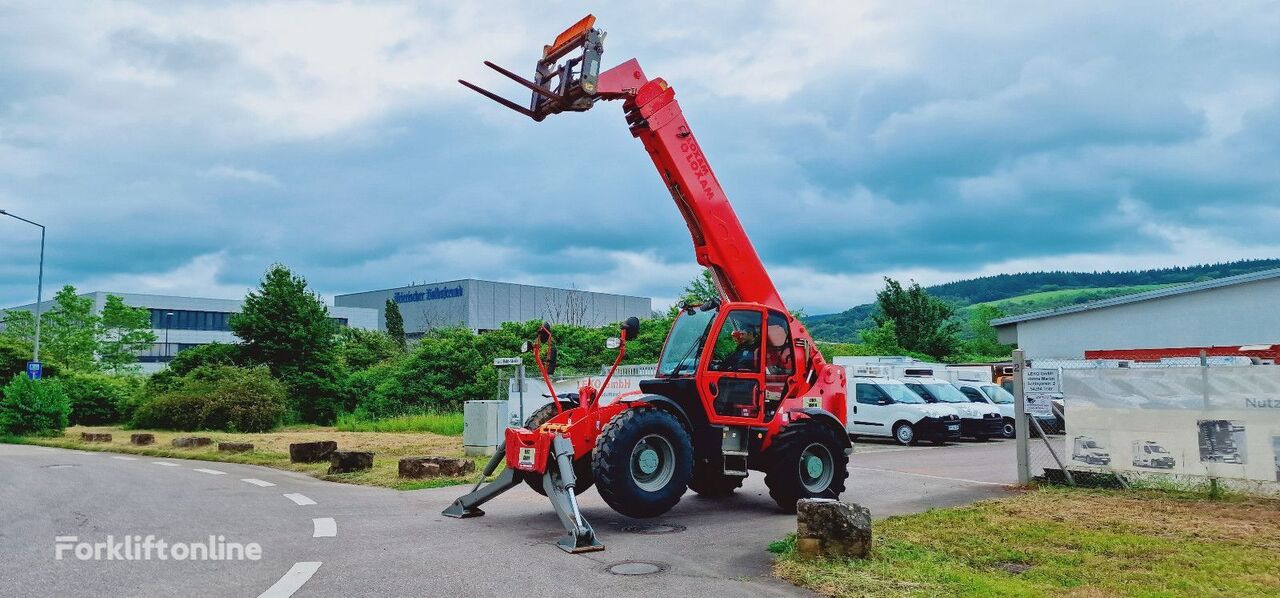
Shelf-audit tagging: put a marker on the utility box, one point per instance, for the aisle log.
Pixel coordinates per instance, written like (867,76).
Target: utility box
(483,425)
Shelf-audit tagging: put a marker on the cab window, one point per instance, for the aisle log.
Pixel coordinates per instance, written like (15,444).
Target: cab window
(973,394)
(869,394)
(737,347)
(780,359)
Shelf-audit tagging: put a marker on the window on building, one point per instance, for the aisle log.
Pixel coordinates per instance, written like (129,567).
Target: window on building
(181,319)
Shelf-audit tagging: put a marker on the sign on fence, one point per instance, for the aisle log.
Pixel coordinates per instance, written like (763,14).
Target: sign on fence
(1043,381)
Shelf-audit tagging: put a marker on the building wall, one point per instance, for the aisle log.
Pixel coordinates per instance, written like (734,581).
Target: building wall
(485,305)
(1233,315)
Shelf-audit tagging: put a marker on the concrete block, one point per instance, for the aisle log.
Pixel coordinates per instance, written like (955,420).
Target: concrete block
(235,447)
(349,461)
(311,452)
(832,529)
(142,439)
(418,468)
(192,441)
(448,466)
(94,437)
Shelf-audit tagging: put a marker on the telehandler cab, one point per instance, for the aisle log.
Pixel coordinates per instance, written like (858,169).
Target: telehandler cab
(740,384)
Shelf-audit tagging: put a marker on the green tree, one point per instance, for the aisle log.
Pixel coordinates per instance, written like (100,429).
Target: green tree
(33,407)
(286,327)
(883,339)
(360,349)
(395,323)
(122,332)
(68,331)
(983,343)
(701,289)
(443,370)
(922,323)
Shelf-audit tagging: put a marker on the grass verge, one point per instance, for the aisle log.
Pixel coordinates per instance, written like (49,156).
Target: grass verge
(445,424)
(1063,542)
(271,449)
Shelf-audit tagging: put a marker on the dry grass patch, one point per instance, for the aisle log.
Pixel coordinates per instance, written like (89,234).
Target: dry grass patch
(272,450)
(1065,542)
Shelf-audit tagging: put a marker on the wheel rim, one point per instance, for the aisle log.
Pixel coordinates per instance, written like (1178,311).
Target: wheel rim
(1008,431)
(906,433)
(817,468)
(652,463)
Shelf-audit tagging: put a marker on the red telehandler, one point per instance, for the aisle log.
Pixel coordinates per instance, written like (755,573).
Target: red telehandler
(740,384)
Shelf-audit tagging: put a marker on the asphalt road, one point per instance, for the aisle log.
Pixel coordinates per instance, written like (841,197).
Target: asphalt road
(345,540)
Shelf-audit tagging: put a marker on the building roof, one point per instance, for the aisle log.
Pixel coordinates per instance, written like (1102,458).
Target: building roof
(1181,289)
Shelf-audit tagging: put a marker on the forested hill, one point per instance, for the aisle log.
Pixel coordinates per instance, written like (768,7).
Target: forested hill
(844,326)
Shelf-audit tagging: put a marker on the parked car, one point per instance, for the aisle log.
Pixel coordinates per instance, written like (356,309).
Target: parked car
(881,406)
(981,421)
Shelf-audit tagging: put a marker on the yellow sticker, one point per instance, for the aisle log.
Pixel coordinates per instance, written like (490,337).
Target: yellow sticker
(812,402)
(527,455)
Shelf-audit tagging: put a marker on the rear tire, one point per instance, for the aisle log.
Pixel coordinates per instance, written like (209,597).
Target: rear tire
(806,460)
(642,462)
(581,467)
(711,482)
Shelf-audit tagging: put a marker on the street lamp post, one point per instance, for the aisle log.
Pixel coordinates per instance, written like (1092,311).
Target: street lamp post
(39,280)
(168,353)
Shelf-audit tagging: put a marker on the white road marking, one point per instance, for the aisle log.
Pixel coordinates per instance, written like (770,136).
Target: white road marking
(936,477)
(257,482)
(291,581)
(211,471)
(126,458)
(164,463)
(325,527)
(300,500)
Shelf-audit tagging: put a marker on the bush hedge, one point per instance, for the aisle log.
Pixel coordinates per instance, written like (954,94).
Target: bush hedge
(33,407)
(98,399)
(216,397)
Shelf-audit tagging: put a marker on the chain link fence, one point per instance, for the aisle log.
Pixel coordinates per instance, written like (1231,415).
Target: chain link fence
(1181,421)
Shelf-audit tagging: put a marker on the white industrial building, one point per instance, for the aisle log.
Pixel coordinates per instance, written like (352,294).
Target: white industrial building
(180,323)
(480,305)
(1238,310)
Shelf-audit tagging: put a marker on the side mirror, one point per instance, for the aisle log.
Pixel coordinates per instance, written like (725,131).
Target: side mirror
(524,347)
(544,332)
(612,342)
(631,328)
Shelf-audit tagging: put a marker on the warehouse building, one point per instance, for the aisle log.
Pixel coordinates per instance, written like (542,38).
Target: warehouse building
(1233,311)
(181,323)
(481,305)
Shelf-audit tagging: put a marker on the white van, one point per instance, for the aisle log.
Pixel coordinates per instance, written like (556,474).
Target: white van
(882,406)
(976,385)
(1150,454)
(981,421)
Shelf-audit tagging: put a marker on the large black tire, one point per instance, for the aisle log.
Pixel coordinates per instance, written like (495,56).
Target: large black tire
(710,481)
(581,467)
(1008,429)
(642,462)
(790,476)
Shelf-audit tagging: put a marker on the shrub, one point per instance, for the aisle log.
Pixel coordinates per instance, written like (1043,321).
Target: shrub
(14,355)
(33,407)
(365,390)
(184,362)
(442,372)
(228,398)
(98,399)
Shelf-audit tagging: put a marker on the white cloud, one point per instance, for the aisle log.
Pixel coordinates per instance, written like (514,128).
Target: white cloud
(199,277)
(247,175)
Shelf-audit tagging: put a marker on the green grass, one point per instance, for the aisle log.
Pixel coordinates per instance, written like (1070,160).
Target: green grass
(444,424)
(1064,297)
(1063,542)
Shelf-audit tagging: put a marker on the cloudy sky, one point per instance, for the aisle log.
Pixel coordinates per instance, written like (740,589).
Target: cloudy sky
(183,147)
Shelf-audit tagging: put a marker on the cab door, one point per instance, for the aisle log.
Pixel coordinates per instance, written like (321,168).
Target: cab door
(732,381)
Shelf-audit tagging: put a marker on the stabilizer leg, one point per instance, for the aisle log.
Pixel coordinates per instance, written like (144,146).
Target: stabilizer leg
(559,484)
(469,505)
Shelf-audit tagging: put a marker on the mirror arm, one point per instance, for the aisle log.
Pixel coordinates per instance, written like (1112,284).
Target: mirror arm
(622,351)
(542,369)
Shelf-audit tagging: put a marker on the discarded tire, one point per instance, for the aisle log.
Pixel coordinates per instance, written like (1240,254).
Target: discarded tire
(429,467)
(235,447)
(311,452)
(92,437)
(349,461)
(142,439)
(192,441)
